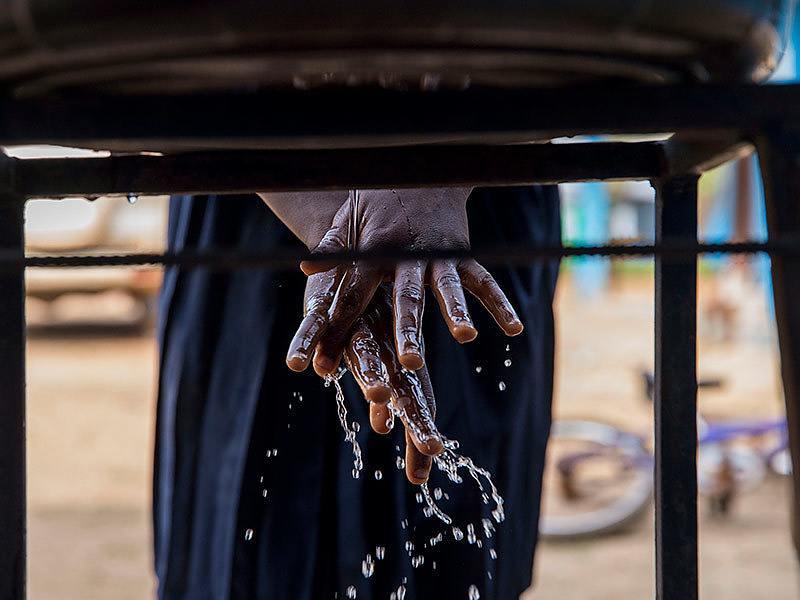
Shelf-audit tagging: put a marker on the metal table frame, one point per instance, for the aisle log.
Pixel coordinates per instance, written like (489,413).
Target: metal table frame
(713,123)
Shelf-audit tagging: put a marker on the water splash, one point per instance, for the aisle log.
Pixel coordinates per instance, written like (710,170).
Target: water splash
(434,508)
(349,433)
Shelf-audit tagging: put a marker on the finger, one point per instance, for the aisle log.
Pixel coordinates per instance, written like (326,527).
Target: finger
(363,359)
(483,286)
(320,290)
(408,306)
(408,397)
(446,285)
(334,240)
(418,465)
(380,418)
(356,290)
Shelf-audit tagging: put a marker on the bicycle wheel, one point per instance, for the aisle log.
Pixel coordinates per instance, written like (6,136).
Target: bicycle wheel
(598,480)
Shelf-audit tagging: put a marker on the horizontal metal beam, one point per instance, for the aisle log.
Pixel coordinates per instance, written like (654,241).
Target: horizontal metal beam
(284,170)
(289,258)
(360,117)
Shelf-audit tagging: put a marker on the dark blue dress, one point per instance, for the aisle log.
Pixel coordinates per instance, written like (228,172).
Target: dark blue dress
(236,520)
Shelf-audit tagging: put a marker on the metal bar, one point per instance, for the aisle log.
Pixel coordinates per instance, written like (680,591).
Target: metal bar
(226,259)
(676,393)
(248,171)
(12,405)
(358,117)
(779,150)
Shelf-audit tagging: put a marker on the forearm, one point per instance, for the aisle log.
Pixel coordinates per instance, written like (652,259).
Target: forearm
(307,214)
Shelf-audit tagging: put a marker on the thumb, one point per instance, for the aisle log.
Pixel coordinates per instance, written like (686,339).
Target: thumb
(334,240)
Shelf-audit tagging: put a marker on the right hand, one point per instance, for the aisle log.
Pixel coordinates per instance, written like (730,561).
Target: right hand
(372,358)
(419,219)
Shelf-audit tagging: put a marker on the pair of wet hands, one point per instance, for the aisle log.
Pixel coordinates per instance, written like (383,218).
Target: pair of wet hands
(371,316)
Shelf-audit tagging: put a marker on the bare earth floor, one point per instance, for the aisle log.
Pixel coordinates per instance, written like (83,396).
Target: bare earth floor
(90,438)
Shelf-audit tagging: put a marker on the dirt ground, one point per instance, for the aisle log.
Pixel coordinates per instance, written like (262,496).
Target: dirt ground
(90,426)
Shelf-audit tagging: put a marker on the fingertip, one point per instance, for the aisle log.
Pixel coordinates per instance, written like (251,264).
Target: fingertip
(418,475)
(379,393)
(514,328)
(324,365)
(464,333)
(431,447)
(297,362)
(380,419)
(417,479)
(411,361)
(312,267)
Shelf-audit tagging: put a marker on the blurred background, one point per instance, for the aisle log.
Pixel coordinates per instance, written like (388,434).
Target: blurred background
(92,364)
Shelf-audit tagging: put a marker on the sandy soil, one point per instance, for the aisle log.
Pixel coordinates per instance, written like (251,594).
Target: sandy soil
(90,438)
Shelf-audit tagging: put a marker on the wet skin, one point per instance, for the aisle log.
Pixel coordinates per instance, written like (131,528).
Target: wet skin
(372,315)
(409,220)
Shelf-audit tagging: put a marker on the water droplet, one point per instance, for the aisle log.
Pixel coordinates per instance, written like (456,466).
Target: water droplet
(437,493)
(458,534)
(473,594)
(478,369)
(471,534)
(274,452)
(409,546)
(401,593)
(508,347)
(269,453)
(367,567)
(380,552)
(420,498)
(378,475)
(507,362)
(433,565)
(418,561)
(493,554)
(264,493)
(488,528)
(400,462)
(351,592)
(133,198)
(356,426)
(248,535)
(355,473)
(428,512)
(501,386)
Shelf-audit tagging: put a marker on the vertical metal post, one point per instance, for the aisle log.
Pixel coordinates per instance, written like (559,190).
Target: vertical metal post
(676,393)
(779,154)
(12,403)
